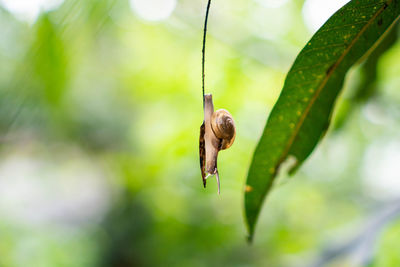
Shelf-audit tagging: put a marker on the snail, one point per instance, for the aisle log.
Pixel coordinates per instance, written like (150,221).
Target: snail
(217,133)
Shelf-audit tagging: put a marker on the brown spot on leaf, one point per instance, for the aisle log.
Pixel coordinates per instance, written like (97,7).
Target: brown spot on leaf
(380,21)
(248,189)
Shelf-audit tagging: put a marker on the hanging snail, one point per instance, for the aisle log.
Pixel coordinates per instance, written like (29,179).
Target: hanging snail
(216,133)
(218,129)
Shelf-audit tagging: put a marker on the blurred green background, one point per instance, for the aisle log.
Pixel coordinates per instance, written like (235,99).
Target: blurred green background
(100,109)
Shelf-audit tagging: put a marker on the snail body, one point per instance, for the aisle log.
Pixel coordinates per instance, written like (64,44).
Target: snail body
(217,133)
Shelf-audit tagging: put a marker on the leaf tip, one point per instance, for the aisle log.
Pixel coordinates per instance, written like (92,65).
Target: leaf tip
(250,239)
(250,223)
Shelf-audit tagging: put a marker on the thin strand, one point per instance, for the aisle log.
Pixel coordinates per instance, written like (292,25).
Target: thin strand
(204,48)
(219,187)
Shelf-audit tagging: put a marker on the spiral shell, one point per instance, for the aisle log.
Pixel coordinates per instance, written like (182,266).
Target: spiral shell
(223,127)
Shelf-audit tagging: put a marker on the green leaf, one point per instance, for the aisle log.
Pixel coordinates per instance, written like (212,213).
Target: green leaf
(301,115)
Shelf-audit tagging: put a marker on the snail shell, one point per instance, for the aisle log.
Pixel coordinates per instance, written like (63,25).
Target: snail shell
(223,127)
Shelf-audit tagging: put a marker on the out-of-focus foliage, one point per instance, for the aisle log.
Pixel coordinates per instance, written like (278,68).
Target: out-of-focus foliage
(388,247)
(100,109)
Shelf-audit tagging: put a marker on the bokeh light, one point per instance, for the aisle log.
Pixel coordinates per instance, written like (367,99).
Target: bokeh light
(153,10)
(317,12)
(30,9)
